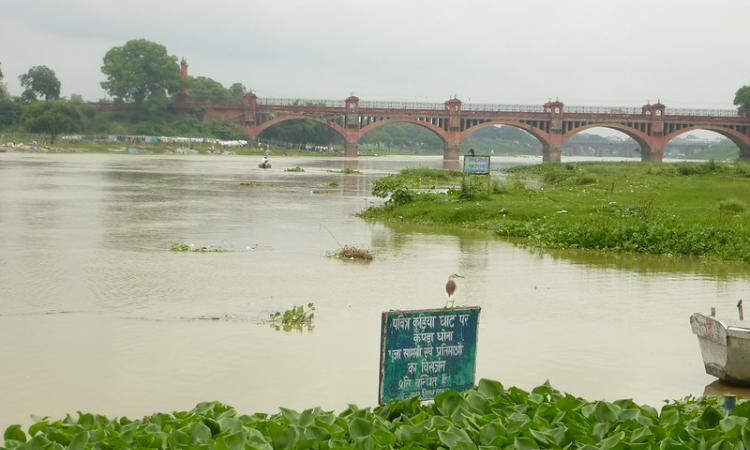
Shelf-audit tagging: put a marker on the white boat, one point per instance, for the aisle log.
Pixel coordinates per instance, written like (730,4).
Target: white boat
(725,347)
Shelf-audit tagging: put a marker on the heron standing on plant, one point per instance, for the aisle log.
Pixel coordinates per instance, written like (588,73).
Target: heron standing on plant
(450,289)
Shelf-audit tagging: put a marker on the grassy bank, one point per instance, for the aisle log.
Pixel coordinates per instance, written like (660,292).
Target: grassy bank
(698,209)
(489,416)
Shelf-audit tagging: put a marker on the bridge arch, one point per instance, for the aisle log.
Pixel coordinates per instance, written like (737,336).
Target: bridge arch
(434,128)
(258,129)
(739,139)
(540,135)
(638,136)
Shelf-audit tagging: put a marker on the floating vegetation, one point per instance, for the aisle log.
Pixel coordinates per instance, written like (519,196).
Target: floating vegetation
(488,416)
(294,169)
(333,184)
(614,207)
(346,171)
(295,318)
(352,252)
(256,184)
(182,247)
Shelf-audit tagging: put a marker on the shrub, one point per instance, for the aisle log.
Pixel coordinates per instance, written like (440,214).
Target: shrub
(471,188)
(353,252)
(731,206)
(585,178)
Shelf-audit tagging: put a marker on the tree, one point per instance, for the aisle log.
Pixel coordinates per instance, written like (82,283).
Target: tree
(139,70)
(52,118)
(40,81)
(204,89)
(238,91)
(742,97)
(3,91)
(76,98)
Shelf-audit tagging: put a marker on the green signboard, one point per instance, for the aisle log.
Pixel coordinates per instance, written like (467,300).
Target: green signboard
(479,165)
(424,352)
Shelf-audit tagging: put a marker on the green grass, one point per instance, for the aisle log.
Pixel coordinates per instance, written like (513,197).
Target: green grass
(718,152)
(487,417)
(675,209)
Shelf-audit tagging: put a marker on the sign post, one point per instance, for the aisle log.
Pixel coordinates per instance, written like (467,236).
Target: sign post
(425,352)
(478,165)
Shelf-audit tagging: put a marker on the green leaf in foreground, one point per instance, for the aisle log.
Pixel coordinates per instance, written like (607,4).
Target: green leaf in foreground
(487,417)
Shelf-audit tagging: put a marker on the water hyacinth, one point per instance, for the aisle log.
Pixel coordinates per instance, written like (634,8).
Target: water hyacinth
(487,417)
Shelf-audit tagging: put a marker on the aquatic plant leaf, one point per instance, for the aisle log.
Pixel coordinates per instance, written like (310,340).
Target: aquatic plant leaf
(79,441)
(710,418)
(490,388)
(524,443)
(199,432)
(606,412)
(234,441)
(728,424)
(360,428)
(287,438)
(256,440)
(612,441)
(448,401)
(15,433)
(454,436)
(742,410)
(641,434)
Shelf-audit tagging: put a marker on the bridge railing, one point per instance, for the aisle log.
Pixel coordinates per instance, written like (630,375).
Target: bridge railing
(402,105)
(300,102)
(701,112)
(602,109)
(487,107)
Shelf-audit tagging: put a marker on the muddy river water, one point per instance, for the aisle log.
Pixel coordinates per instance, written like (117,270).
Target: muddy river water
(97,314)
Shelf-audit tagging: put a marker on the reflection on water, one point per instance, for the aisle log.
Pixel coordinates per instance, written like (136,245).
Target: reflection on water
(97,314)
(720,389)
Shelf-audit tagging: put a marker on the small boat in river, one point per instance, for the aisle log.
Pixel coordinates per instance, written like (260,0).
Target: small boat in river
(725,347)
(266,164)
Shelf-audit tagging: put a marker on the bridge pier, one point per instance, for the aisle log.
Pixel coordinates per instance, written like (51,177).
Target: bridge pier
(451,160)
(653,151)
(551,153)
(744,153)
(351,149)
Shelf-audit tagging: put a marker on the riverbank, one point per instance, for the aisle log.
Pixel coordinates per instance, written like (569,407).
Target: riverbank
(692,209)
(489,415)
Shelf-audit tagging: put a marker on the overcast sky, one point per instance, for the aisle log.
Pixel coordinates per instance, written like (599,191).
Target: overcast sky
(688,53)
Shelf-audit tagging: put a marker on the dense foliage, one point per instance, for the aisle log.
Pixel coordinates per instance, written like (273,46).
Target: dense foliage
(140,69)
(40,81)
(52,118)
(487,417)
(681,209)
(742,97)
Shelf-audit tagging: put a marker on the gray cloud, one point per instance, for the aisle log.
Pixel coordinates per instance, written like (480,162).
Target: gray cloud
(688,52)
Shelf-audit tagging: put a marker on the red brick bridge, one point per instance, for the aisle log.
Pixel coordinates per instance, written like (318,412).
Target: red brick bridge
(652,125)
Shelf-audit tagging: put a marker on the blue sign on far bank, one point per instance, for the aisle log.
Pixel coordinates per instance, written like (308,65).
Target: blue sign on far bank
(479,165)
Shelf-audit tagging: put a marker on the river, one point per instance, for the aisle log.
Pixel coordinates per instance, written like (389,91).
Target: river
(98,315)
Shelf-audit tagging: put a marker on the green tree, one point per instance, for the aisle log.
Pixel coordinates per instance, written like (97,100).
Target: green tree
(3,91)
(237,90)
(52,118)
(139,70)
(10,113)
(742,97)
(40,81)
(204,89)
(76,98)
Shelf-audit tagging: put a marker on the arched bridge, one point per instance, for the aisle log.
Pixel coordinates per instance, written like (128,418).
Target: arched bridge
(652,125)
